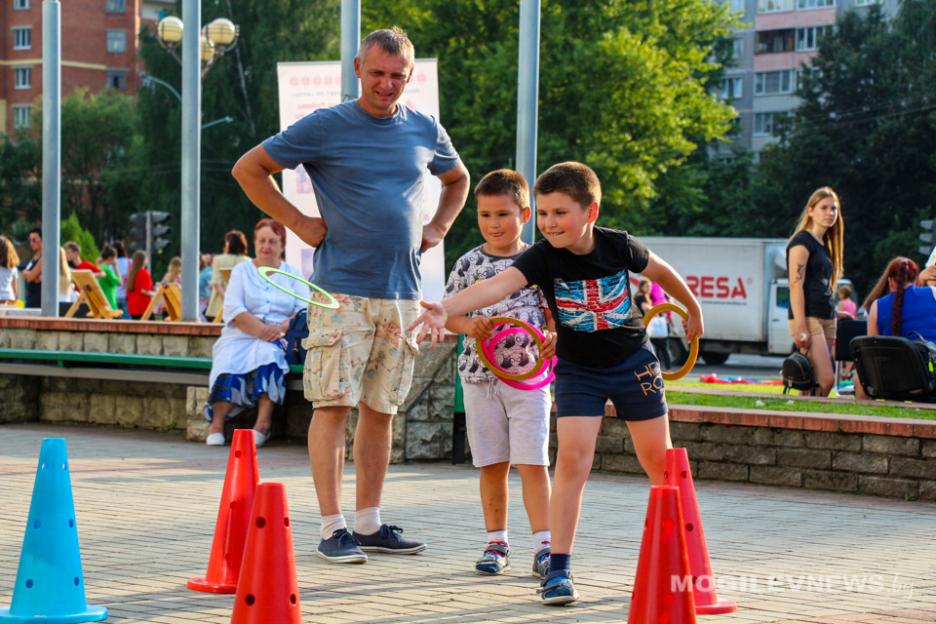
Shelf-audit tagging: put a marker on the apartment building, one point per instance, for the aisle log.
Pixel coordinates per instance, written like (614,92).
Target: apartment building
(100,47)
(778,38)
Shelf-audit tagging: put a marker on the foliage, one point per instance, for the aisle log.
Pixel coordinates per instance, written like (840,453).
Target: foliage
(20,182)
(72,230)
(866,127)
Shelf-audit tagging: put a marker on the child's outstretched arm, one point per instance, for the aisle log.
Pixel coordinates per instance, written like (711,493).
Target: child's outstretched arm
(667,277)
(479,295)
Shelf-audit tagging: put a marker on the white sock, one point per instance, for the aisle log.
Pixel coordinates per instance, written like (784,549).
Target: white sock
(367,520)
(497,536)
(330,524)
(541,539)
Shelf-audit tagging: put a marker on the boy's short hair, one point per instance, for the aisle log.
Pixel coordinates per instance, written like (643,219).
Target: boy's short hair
(845,291)
(576,180)
(73,247)
(505,182)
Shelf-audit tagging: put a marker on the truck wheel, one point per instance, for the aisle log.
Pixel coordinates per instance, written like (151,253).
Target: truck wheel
(678,352)
(714,359)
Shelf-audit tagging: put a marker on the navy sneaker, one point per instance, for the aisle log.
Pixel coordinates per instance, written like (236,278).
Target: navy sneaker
(557,588)
(389,540)
(541,562)
(495,560)
(341,548)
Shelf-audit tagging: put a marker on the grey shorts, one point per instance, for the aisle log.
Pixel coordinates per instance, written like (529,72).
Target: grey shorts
(506,424)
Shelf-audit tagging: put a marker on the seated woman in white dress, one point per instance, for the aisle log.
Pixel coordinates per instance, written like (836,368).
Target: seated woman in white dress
(248,365)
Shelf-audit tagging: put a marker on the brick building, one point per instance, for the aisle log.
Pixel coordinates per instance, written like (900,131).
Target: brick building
(100,47)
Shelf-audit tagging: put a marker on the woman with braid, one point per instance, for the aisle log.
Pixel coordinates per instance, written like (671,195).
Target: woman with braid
(814,261)
(900,305)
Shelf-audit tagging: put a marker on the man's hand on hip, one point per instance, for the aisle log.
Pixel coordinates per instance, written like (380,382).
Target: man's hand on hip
(311,230)
(432,235)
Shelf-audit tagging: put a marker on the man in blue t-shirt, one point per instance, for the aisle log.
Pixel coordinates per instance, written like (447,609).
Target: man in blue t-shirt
(367,159)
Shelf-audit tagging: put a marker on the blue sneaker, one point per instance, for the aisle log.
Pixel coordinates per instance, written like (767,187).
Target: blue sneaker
(495,560)
(341,548)
(389,540)
(557,588)
(541,562)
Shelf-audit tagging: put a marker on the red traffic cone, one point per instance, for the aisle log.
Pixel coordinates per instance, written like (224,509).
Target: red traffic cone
(267,592)
(663,586)
(679,474)
(227,549)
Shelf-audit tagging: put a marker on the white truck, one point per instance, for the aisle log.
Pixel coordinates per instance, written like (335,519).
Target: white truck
(743,288)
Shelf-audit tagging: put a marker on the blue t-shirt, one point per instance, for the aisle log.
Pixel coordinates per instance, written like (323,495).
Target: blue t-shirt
(369,176)
(918,313)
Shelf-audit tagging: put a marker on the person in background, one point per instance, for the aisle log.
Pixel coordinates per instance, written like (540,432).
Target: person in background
(76,262)
(846,308)
(110,281)
(9,261)
(204,282)
(248,361)
(32,272)
(66,290)
(814,262)
(123,269)
(235,252)
(642,298)
(139,285)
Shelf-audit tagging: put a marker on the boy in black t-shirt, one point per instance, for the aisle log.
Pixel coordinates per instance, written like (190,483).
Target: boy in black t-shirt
(583,270)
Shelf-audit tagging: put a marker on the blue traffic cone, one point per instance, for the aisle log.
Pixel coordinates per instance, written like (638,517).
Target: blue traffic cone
(49,583)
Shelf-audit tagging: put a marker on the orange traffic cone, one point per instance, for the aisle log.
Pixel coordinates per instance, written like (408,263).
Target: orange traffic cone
(267,592)
(663,585)
(227,549)
(679,474)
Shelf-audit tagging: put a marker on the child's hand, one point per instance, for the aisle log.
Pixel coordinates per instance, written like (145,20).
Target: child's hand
(479,327)
(693,327)
(549,345)
(431,322)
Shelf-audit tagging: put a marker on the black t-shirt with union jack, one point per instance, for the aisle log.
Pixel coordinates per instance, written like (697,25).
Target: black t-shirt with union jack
(590,296)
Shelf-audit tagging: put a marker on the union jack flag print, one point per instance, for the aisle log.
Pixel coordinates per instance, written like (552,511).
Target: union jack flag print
(591,305)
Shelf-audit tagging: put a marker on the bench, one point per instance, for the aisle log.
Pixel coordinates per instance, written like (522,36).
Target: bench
(189,370)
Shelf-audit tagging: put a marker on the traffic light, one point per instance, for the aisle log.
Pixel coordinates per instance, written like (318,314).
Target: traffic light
(139,235)
(928,236)
(158,231)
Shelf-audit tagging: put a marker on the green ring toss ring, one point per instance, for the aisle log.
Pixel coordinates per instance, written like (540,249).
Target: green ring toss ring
(332,302)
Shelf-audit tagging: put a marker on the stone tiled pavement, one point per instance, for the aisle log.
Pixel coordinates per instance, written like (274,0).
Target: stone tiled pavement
(146,504)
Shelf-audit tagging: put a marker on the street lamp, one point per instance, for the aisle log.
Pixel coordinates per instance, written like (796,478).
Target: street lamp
(200,50)
(217,38)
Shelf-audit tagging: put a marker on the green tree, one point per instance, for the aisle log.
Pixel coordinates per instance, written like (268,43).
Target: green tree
(20,181)
(72,230)
(866,127)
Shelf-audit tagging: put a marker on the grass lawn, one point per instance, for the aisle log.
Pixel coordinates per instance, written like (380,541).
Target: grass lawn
(722,397)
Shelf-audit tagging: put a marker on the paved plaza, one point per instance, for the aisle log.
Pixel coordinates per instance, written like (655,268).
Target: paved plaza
(146,505)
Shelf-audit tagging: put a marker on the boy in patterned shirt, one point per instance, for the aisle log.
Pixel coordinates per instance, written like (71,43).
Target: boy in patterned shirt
(505,425)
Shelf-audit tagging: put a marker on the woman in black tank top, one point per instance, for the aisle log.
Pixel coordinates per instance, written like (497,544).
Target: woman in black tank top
(814,262)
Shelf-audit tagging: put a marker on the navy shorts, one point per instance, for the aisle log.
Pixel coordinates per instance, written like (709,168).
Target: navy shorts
(634,386)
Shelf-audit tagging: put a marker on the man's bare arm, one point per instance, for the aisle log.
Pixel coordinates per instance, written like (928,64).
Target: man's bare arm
(254,172)
(455,183)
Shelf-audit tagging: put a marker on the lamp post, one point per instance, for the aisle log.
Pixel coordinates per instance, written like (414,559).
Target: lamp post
(201,48)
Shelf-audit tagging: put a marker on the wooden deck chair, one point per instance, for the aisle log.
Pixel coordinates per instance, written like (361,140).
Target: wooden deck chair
(171,297)
(225,278)
(92,295)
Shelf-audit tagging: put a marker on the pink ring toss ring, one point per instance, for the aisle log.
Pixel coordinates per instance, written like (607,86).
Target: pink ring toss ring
(542,369)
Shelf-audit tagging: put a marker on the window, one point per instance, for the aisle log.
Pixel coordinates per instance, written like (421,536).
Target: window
(764,124)
(20,5)
(22,77)
(774,41)
(738,6)
(808,38)
(116,6)
(117,79)
(737,48)
(773,82)
(814,4)
(22,116)
(771,6)
(116,41)
(866,2)
(731,88)
(22,38)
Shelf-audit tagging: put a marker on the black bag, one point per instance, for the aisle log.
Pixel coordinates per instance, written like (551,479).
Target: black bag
(797,373)
(297,332)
